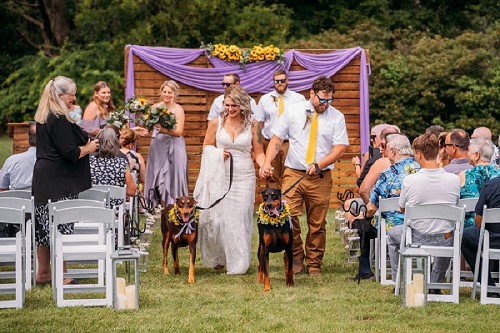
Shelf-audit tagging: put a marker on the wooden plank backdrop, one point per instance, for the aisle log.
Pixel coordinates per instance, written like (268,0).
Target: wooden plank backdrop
(196,104)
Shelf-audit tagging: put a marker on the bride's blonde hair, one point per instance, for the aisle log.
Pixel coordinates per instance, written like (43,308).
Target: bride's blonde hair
(51,103)
(241,98)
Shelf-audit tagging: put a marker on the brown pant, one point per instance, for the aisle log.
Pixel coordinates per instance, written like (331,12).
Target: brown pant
(315,193)
(276,180)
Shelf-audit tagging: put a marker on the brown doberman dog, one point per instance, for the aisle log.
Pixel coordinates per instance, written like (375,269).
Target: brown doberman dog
(179,226)
(275,235)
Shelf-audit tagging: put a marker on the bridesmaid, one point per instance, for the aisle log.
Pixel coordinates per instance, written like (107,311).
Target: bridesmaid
(166,171)
(96,114)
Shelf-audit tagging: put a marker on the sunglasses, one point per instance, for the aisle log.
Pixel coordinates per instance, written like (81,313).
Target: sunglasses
(324,100)
(224,84)
(279,81)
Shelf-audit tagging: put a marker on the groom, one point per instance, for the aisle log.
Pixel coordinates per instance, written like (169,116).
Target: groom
(314,155)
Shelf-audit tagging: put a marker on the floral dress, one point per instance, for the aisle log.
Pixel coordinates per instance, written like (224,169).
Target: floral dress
(108,171)
(474,181)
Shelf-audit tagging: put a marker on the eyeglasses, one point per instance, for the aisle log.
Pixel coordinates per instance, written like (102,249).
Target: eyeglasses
(279,81)
(225,84)
(324,100)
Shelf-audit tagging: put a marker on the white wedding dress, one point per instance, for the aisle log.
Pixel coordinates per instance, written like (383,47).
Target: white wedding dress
(225,231)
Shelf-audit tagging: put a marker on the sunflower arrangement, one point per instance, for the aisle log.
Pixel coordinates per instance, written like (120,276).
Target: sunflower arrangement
(255,54)
(120,118)
(158,115)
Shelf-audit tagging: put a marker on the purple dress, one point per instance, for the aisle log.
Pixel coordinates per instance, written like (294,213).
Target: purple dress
(166,170)
(92,125)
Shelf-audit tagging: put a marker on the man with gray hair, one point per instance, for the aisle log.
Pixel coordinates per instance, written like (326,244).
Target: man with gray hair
(485,133)
(456,146)
(388,185)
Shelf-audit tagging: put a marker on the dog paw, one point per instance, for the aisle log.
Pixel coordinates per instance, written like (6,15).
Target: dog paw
(191,281)
(267,288)
(165,272)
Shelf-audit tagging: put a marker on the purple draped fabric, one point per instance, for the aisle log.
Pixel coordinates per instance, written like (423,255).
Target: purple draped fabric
(257,77)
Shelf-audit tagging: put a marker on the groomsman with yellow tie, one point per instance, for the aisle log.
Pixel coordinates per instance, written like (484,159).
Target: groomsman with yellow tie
(317,137)
(271,107)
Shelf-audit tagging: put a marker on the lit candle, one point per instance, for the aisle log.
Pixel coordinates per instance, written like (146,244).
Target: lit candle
(120,286)
(130,294)
(122,301)
(410,291)
(418,300)
(418,283)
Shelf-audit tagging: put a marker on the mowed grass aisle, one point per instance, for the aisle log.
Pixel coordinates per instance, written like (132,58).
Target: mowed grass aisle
(221,303)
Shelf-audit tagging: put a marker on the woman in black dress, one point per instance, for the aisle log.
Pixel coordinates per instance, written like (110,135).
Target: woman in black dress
(62,167)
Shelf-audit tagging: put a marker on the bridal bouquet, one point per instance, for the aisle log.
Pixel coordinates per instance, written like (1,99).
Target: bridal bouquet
(159,115)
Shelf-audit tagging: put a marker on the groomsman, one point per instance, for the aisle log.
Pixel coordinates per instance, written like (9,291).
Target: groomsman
(318,137)
(230,79)
(271,107)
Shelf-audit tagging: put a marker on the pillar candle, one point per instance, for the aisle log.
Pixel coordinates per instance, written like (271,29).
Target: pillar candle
(130,293)
(418,283)
(120,286)
(410,291)
(122,301)
(418,300)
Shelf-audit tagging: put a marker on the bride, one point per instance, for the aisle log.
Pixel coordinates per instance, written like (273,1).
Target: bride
(225,231)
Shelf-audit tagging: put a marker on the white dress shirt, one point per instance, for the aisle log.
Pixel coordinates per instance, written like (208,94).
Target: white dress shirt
(218,106)
(17,172)
(268,108)
(331,131)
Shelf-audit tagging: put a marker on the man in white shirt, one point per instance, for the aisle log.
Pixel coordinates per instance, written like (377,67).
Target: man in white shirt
(272,106)
(230,79)
(430,185)
(17,171)
(317,135)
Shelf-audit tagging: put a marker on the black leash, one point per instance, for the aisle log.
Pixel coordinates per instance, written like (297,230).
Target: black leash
(318,171)
(230,183)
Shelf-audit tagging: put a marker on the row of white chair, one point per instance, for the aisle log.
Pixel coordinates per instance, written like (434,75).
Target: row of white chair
(456,214)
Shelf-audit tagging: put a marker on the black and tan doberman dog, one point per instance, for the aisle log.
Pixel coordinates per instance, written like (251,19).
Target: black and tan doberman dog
(179,226)
(275,235)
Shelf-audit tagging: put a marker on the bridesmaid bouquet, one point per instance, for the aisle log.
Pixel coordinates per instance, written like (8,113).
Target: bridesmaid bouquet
(159,115)
(119,118)
(140,105)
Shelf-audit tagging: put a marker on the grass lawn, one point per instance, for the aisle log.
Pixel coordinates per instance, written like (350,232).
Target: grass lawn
(223,303)
(5,148)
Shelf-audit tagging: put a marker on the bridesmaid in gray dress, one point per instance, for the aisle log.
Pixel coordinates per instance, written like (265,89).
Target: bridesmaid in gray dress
(166,170)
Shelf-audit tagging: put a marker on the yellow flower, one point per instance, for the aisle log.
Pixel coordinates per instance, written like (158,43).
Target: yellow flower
(222,56)
(233,48)
(146,116)
(276,50)
(142,101)
(261,57)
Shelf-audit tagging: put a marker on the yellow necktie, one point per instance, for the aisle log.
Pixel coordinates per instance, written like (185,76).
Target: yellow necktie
(281,107)
(311,148)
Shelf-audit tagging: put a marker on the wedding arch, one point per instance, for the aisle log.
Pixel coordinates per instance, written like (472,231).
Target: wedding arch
(199,77)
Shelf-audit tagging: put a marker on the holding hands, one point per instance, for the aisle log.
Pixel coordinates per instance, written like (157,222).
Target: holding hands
(266,170)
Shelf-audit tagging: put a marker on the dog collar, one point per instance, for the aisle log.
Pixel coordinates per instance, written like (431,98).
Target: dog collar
(174,217)
(278,221)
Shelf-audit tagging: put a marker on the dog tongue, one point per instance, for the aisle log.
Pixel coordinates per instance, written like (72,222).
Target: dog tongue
(275,211)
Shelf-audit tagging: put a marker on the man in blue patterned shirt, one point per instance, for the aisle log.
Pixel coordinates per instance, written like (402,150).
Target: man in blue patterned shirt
(398,150)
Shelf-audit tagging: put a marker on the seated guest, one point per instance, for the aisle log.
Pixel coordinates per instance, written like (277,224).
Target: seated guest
(442,158)
(388,185)
(136,162)
(456,146)
(17,171)
(380,165)
(471,181)
(434,129)
(485,133)
(431,185)
(489,196)
(107,168)
(375,140)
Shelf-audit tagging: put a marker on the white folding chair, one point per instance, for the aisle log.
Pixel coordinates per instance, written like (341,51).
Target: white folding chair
(13,253)
(381,272)
(88,234)
(120,193)
(437,211)
(95,194)
(490,216)
(84,253)
(470,206)
(19,200)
